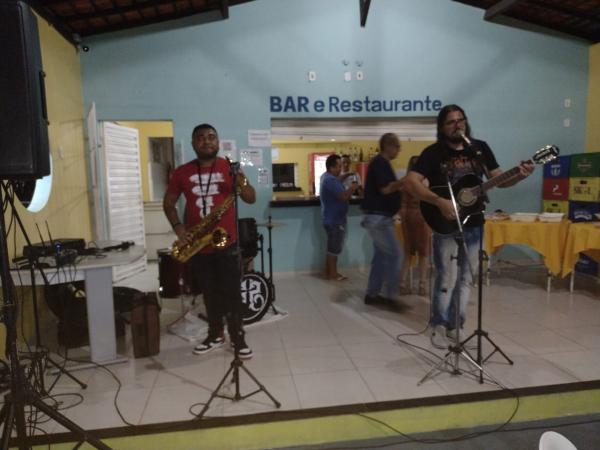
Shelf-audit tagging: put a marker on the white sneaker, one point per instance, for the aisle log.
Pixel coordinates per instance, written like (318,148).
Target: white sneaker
(438,337)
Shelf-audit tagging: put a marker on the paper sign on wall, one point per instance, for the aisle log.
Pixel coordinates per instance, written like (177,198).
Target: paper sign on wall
(251,157)
(228,149)
(274,154)
(263,176)
(259,138)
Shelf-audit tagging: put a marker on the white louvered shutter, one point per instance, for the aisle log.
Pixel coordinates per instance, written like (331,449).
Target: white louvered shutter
(124,191)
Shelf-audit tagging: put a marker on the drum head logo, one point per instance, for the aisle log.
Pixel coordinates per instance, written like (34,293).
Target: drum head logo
(255,295)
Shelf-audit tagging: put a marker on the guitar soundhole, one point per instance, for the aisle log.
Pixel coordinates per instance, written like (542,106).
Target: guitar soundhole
(466,197)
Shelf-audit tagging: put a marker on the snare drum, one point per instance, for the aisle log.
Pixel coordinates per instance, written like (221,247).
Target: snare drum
(256,297)
(174,278)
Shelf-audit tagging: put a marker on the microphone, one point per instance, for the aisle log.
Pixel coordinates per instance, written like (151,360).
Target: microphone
(465,139)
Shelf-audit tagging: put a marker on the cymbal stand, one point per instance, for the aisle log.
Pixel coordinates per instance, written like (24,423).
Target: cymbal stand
(33,265)
(21,393)
(270,278)
(456,351)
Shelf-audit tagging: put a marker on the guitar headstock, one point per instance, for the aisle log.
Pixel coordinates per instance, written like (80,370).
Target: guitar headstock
(546,154)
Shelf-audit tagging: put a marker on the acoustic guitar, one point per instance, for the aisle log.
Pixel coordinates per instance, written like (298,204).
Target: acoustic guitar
(469,192)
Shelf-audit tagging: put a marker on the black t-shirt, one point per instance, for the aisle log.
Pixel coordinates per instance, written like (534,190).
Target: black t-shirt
(458,163)
(379,175)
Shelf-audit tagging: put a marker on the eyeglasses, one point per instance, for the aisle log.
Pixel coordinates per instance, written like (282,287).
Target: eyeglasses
(455,122)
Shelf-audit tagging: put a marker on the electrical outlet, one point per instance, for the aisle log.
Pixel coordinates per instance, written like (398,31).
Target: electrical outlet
(567,102)
(359,75)
(347,76)
(567,122)
(312,76)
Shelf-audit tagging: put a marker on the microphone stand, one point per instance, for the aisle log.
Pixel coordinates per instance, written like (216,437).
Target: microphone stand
(479,333)
(21,394)
(457,349)
(236,318)
(33,264)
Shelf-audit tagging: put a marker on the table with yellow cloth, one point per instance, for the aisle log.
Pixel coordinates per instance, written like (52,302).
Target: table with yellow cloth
(583,237)
(546,238)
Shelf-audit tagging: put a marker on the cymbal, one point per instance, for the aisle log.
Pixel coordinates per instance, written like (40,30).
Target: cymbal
(271,224)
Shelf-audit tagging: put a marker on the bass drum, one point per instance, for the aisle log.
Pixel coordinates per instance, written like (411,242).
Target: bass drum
(174,278)
(256,297)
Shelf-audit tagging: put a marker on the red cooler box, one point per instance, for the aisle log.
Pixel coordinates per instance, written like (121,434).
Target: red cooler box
(556,189)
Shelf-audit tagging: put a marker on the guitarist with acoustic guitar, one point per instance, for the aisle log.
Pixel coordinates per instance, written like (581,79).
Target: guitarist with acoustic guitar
(457,157)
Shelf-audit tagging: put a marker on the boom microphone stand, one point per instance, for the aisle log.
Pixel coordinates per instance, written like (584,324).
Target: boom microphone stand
(21,394)
(236,318)
(457,350)
(33,264)
(479,333)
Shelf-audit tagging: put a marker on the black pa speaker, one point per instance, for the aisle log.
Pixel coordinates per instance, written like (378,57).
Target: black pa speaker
(24,150)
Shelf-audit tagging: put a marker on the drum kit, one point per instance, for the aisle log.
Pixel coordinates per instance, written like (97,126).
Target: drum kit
(258,291)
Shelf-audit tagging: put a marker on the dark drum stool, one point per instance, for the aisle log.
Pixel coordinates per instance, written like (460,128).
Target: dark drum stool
(174,278)
(248,237)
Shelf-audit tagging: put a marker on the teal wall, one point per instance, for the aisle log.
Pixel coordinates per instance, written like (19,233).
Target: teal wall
(511,82)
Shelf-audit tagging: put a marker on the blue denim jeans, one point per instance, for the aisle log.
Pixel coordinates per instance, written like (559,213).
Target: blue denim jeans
(453,279)
(384,278)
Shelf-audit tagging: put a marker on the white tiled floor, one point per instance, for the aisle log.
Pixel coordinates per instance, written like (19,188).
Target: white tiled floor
(332,349)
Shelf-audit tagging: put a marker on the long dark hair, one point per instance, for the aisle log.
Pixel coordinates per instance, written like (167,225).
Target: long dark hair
(441,119)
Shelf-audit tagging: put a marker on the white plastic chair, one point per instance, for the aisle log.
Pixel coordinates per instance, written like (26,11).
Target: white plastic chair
(552,440)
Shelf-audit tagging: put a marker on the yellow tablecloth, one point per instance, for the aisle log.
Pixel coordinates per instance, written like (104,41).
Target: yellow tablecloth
(583,237)
(546,238)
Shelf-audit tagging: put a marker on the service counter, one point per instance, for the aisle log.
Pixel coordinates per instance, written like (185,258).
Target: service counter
(299,201)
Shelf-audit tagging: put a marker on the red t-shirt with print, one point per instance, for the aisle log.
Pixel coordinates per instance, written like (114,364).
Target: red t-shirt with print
(204,189)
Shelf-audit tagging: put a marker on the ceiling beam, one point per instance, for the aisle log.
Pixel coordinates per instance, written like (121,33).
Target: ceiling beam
(364,11)
(225,9)
(499,8)
(567,11)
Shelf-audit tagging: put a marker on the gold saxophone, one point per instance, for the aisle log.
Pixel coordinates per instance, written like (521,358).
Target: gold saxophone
(204,233)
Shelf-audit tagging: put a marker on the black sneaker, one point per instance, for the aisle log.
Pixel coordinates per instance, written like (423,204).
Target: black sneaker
(244,351)
(208,344)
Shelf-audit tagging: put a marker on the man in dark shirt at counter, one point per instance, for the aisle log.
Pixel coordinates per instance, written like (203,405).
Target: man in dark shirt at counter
(381,202)
(334,209)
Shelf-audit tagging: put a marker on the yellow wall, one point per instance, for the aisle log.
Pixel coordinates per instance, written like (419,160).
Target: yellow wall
(593,110)
(68,210)
(299,153)
(147,130)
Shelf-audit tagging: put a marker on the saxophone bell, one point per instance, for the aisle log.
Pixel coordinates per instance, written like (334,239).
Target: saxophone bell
(220,238)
